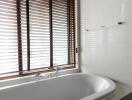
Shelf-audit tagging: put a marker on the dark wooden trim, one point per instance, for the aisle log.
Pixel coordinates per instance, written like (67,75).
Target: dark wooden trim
(19,37)
(51,33)
(37,69)
(28,35)
(74,32)
(68,28)
(10,77)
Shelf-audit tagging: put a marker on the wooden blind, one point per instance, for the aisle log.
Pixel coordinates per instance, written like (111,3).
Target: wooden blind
(48,33)
(35,30)
(23,13)
(8,37)
(39,33)
(36,34)
(63,13)
(60,31)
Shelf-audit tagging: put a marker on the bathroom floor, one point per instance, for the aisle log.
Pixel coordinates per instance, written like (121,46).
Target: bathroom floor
(127,97)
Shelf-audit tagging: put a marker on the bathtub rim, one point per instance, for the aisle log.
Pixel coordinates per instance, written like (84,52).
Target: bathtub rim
(94,96)
(106,92)
(109,91)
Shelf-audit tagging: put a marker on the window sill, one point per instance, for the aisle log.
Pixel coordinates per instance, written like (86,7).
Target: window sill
(16,80)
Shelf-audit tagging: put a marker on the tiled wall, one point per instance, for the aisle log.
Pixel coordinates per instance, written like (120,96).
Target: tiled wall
(106,47)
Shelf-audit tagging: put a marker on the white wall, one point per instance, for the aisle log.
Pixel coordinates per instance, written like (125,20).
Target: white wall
(107,50)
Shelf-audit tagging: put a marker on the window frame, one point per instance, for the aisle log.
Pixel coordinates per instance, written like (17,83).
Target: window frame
(19,37)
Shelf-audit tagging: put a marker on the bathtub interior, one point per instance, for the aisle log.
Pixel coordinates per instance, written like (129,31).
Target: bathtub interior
(72,87)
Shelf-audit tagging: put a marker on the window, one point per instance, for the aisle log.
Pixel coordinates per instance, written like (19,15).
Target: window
(36,35)
(8,37)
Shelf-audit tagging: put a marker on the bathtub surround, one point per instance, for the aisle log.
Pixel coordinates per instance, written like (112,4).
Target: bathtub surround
(106,47)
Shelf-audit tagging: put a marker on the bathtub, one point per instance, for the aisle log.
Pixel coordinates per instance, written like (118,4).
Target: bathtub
(67,87)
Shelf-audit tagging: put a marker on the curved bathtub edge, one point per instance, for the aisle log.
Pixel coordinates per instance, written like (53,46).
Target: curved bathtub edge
(108,92)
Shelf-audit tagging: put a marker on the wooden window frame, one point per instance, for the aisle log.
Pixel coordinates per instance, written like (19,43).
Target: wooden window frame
(70,65)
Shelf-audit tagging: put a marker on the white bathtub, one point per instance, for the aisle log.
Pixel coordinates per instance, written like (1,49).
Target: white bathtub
(68,87)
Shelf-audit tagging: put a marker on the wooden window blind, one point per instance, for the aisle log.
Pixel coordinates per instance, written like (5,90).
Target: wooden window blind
(8,37)
(63,32)
(39,33)
(36,34)
(60,32)
(23,13)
